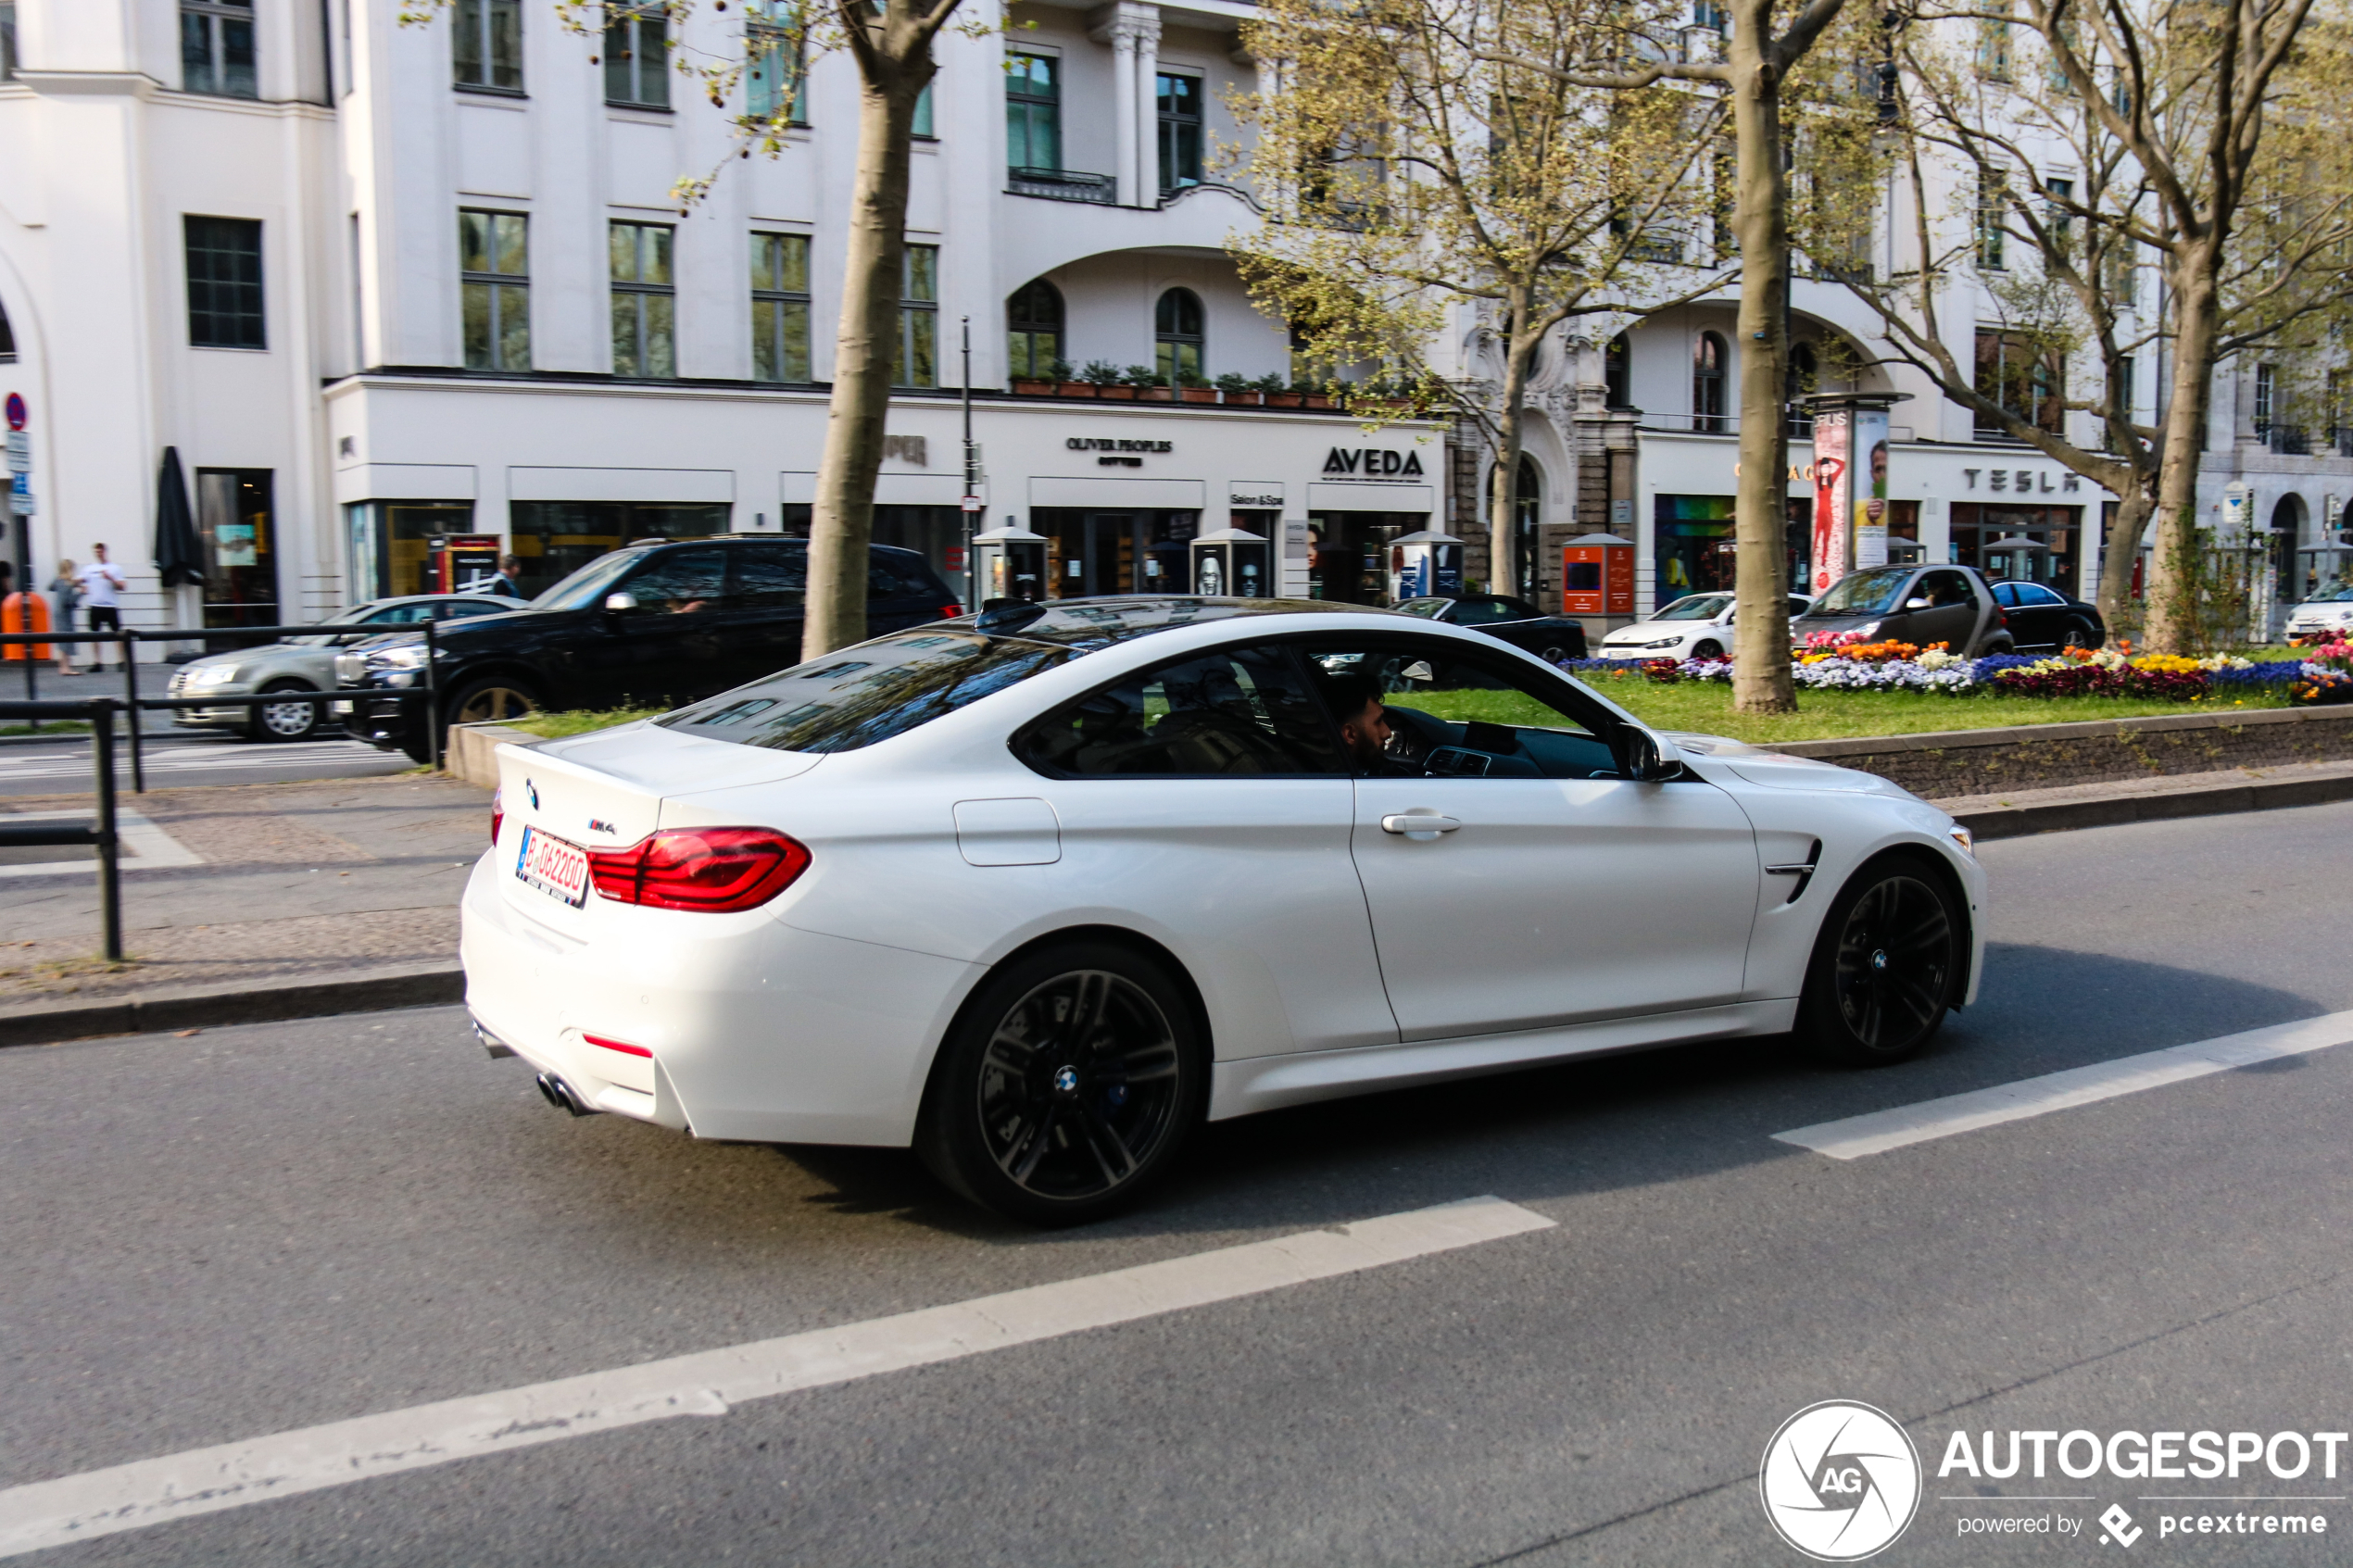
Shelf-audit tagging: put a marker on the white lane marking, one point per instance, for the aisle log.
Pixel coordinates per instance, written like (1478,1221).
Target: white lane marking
(155,1491)
(1854,1136)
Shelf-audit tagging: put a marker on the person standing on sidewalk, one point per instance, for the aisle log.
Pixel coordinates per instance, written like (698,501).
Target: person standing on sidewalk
(68,593)
(100,584)
(504,585)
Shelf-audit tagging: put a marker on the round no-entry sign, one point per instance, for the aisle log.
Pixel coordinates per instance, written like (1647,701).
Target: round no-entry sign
(16,410)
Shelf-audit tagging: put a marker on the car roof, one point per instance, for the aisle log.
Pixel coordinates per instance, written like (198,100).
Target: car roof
(738,541)
(1101,622)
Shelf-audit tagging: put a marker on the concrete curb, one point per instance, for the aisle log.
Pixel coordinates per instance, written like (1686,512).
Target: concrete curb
(2059,816)
(263,1004)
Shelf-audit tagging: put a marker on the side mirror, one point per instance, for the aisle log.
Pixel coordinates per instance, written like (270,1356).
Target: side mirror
(1648,759)
(1417,671)
(1915,604)
(621,601)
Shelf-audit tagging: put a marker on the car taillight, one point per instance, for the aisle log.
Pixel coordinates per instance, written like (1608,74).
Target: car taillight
(715,870)
(497,813)
(949,612)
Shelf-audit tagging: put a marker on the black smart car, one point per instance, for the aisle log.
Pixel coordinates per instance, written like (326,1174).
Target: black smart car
(1953,605)
(655,625)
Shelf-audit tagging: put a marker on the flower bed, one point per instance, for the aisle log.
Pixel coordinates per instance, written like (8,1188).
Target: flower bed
(1829,662)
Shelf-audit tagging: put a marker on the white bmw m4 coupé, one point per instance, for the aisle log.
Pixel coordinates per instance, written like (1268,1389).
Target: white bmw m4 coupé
(1037,891)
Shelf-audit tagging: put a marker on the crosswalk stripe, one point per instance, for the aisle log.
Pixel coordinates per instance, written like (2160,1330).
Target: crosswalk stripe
(130,1497)
(1879,1131)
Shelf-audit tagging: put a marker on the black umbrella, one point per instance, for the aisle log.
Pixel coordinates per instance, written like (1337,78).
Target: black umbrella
(179,553)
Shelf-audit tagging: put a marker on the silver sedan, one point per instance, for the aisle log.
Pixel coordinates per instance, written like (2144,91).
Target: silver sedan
(304,664)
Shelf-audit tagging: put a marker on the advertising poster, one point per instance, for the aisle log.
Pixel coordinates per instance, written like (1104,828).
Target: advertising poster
(1869,445)
(1834,496)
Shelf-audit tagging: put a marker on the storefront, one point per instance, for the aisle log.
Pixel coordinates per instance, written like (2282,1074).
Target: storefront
(2032,544)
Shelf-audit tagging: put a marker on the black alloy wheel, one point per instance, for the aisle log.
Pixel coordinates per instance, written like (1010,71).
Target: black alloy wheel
(2078,634)
(1708,650)
(1066,1086)
(1555,654)
(284,720)
(491,701)
(1886,966)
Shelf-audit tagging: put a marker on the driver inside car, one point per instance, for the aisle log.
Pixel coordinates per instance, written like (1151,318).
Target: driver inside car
(1364,724)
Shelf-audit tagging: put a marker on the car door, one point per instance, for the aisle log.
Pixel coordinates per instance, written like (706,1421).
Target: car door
(764,621)
(1212,787)
(2040,618)
(901,592)
(664,647)
(1951,614)
(1546,889)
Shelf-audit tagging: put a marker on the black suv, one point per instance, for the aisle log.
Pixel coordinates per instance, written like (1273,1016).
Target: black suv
(660,623)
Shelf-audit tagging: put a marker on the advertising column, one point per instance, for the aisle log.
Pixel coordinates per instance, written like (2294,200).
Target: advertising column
(1834,495)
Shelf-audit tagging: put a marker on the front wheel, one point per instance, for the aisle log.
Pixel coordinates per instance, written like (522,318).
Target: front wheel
(284,720)
(1708,651)
(2078,634)
(1886,966)
(1066,1086)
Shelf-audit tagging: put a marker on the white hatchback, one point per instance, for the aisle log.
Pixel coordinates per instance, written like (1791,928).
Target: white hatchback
(1695,626)
(1037,892)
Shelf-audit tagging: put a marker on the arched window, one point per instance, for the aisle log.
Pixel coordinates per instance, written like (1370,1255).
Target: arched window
(1617,372)
(1707,385)
(1033,331)
(1800,381)
(1176,332)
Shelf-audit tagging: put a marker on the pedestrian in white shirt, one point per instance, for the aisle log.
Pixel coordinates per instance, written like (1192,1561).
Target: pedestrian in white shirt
(100,584)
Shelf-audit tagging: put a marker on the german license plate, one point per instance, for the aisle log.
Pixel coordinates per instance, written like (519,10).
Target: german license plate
(555,868)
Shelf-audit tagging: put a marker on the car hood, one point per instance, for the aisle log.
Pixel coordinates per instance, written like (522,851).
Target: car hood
(1772,769)
(1652,631)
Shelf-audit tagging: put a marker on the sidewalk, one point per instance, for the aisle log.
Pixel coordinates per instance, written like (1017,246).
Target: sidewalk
(288,894)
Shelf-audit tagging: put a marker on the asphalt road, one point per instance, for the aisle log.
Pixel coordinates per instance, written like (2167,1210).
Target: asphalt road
(259,1229)
(33,766)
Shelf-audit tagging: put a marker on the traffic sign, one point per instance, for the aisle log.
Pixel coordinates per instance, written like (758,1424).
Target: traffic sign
(16,410)
(971,504)
(20,452)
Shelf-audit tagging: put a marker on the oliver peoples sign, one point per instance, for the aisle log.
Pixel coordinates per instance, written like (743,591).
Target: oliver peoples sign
(1372,463)
(1103,444)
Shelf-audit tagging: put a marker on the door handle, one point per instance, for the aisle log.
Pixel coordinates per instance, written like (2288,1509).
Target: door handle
(1419,824)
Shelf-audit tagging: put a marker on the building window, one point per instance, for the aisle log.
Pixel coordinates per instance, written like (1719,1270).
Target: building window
(488,47)
(8,339)
(637,58)
(1617,372)
(1994,46)
(917,363)
(777,62)
(1176,333)
(921,124)
(1799,381)
(1179,131)
(1992,204)
(225,283)
(1034,113)
(2267,395)
(1713,17)
(1034,330)
(645,316)
(7,40)
(216,48)
(780,308)
(494,266)
(1707,385)
(2059,221)
(2027,384)
(234,523)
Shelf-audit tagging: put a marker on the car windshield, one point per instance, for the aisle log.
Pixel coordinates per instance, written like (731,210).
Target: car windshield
(858,696)
(1428,610)
(1695,607)
(588,587)
(341,617)
(1864,593)
(2342,593)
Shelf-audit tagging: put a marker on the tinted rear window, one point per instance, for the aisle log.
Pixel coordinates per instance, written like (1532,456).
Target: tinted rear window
(869,692)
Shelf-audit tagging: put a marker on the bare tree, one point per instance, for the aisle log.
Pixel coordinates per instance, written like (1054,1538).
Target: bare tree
(1424,155)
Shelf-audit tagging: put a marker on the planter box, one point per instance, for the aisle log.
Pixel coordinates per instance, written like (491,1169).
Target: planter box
(1117,393)
(1318,400)
(1024,386)
(1078,389)
(1965,762)
(1245,399)
(1156,394)
(1198,394)
(1283,399)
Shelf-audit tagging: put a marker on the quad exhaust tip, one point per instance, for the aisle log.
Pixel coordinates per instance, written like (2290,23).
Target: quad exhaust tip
(562,1096)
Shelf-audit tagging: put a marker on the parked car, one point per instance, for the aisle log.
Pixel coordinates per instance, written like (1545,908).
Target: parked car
(304,664)
(1550,638)
(1038,891)
(1695,626)
(2325,614)
(652,624)
(1953,605)
(2042,617)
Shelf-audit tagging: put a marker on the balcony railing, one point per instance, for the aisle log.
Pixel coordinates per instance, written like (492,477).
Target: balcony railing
(1063,185)
(2341,439)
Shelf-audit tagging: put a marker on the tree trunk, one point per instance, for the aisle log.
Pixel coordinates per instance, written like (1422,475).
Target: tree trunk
(842,520)
(2172,621)
(1503,520)
(2136,504)
(1761,680)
